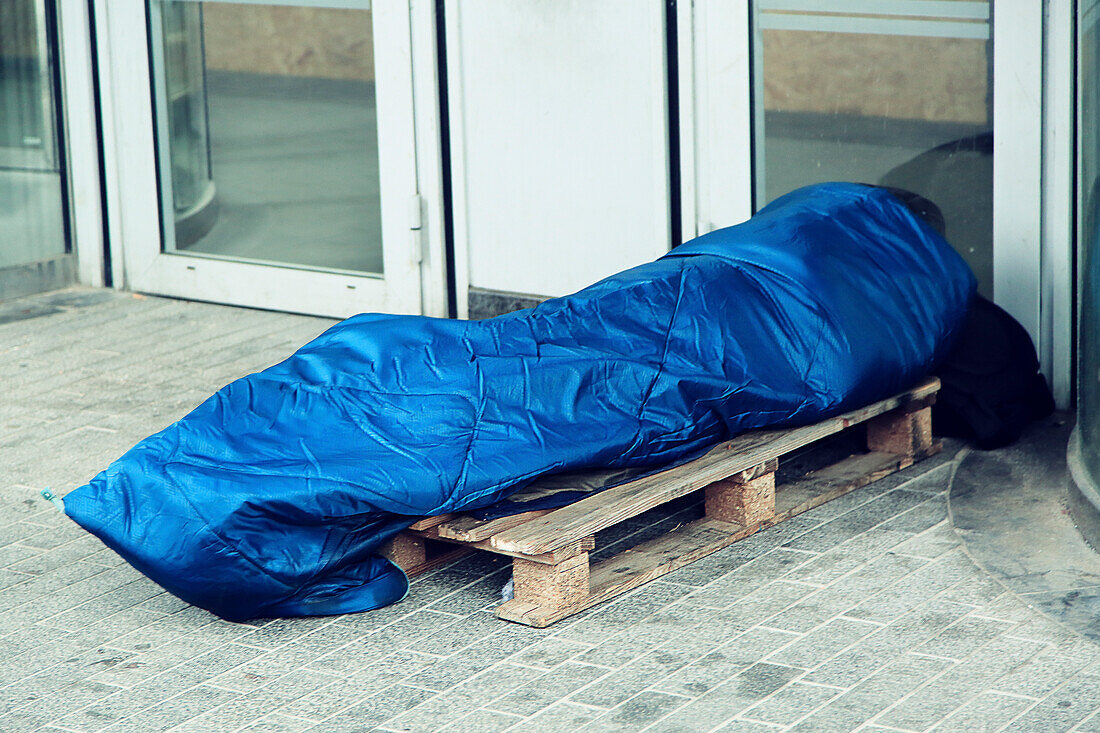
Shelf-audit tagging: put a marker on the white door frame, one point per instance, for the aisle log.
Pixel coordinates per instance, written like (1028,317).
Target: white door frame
(80,136)
(1032,160)
(408,122)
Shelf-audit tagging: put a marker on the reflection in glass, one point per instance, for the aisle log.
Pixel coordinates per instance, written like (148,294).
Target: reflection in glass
(32,202)
(267,133)
(865,94)
(1088,183)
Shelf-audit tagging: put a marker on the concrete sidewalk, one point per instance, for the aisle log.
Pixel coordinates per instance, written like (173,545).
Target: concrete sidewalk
(864,614)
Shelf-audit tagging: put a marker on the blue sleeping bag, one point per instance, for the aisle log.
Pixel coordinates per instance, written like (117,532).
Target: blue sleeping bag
(272,497)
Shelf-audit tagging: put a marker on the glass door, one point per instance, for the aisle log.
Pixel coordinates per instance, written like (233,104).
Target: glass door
(942,98)
(891,93)
(32,183)
(281,149)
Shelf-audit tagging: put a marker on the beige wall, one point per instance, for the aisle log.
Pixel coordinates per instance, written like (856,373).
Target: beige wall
(18,29)
(941,79)
(270,39)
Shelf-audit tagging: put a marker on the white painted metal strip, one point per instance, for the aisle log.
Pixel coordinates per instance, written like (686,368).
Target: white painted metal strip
(685,47)
(1056,305)
(934,9)
(881,26)
(339,4)
(1017,160)
(75,30)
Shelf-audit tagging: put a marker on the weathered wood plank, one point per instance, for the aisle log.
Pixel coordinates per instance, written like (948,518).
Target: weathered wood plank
(444,558)
(834,481)
(429,522)
(592,514)
(470,529)
(585,544)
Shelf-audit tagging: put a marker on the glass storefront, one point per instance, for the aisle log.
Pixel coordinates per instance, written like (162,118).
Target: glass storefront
(32,175)
(1088,192)
(267,133)
(868,92)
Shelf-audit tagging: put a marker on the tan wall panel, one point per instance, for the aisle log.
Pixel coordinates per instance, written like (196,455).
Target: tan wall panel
(901,77)
(18,29)
(270,39)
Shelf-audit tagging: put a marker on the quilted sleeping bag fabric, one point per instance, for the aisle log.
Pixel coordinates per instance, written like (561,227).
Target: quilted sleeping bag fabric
(272,497)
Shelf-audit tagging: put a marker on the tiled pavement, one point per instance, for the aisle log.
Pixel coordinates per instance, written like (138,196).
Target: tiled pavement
(863,614)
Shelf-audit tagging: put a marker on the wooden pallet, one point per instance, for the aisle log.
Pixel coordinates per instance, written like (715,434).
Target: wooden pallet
(550,549)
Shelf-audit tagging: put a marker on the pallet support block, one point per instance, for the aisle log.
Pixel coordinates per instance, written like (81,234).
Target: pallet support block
(552,587)
(904,432)
(406,551)
(746,498)
(417,555)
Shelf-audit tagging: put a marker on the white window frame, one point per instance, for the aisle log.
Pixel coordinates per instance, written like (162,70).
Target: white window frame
(409,163)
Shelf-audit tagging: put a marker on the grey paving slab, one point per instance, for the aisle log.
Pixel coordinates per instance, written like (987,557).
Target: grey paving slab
(846,593)
(851,524)
(886,644)
(432,714)
(278,723)
(483,721)
(931,543)
(719,665)
(792,703)
(720,704)
(374,710)
(1089,725)
(863,612)
(637,712)
(878,692)
(987,712)
(1070,704)
(1041,674)
(565,716)
(544,690)
(744,726)
(823,642)
(959,684)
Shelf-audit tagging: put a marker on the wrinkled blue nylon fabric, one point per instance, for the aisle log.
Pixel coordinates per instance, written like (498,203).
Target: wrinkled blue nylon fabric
(272,497)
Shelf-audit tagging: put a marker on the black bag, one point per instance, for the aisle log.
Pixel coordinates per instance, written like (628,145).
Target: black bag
(991,387)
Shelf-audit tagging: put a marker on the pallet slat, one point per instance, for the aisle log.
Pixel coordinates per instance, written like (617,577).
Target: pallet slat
(836,480)
(429,522)
(469,529)
(611,506)
(553,557)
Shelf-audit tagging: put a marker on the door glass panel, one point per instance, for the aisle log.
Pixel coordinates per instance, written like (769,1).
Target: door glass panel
(1088,192)
(32,200)
(889,92)
(267,133)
